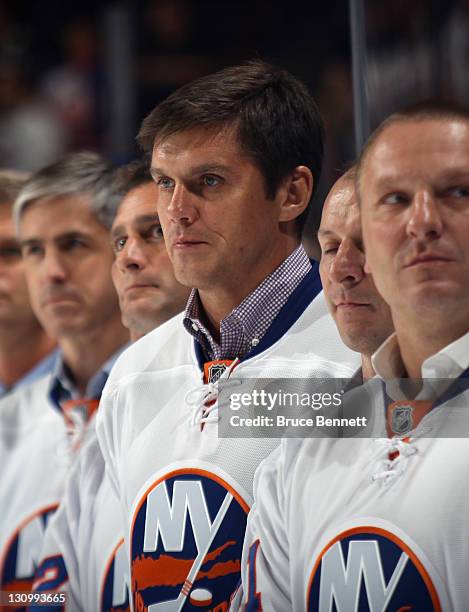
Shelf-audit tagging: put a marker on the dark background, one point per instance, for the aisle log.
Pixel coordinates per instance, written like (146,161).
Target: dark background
(82,75)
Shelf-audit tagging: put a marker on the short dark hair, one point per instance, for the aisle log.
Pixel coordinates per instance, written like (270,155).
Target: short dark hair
(278,123)
(133,175)
(424,111)
(127,178)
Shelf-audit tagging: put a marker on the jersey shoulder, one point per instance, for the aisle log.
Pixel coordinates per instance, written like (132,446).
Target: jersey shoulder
(24,407)
(155,351)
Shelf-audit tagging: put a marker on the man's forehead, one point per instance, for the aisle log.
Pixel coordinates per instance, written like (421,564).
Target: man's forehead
(141,198)
(442,140)
(340,209)
(209,142)
(6,214)
(138,221)
(66,218)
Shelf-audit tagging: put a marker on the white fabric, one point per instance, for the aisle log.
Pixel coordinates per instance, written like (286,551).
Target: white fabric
(149,437)
(35,455)
(86,531)
(311,495)
(450,362)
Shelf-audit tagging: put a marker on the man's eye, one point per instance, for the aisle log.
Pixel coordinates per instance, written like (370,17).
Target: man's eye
(10,253)
(31,250)
(156,231)
(72,244)
(395,198)
(119,244)
(459,192)
(211,181)
(165,183)
(329,249)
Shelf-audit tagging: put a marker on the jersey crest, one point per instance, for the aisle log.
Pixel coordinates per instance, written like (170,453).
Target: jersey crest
(370,569)
(213,370)
(115,591)
(186,540)
(23,551)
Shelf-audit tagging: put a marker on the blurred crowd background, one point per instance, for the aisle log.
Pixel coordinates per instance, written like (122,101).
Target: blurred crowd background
(82,75)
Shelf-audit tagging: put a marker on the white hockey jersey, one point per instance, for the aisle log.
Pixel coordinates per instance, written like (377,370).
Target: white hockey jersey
(38,444)
(364,524)
(83,542)
(186,491)
(34,456)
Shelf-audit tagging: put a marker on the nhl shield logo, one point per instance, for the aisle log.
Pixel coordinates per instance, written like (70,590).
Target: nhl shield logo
(215,371)
(402,421)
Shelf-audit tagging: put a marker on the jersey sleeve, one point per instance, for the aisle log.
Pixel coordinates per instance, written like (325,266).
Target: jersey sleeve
(265,560)
(62,560)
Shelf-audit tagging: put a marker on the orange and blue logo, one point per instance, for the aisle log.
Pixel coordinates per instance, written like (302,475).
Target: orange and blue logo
(186,543)
(115,591)
(22,552)
(370,569)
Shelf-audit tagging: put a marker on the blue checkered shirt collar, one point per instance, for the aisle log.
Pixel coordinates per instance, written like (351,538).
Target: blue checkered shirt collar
(246,325)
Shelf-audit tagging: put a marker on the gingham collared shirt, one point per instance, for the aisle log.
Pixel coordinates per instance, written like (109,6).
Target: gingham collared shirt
(246,325)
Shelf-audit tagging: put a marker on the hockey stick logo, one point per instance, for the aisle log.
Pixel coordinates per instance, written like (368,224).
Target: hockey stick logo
(186,543)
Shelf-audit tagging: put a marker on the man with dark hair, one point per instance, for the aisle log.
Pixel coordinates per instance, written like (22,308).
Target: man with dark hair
(142,273)
(60,213)
(26,352)
(267,111)
(381,523)
(235,156)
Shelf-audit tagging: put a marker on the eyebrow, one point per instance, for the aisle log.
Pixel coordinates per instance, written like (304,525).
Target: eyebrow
(64,236)
(447,176)
(326,232)
(202,169)
(140,220)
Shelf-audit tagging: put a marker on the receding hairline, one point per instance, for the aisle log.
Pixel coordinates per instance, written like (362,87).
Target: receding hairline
(436,115)
(345,180)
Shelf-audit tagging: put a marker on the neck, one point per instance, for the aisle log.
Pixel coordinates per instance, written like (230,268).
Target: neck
(135,335)
(85,353)
(218,302)
(19,353)
(367,368)
(420,339)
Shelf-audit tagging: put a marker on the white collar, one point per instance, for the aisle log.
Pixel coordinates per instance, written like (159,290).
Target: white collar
(387,361)
(449,362)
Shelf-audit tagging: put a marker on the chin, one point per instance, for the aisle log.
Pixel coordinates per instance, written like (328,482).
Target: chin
(62,328)
(435,294)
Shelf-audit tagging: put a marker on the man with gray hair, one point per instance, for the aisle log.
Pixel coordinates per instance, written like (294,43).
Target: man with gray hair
(61,214)
(85,536)
(26,352)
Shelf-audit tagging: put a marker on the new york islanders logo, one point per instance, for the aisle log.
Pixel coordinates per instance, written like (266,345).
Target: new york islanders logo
(115,591)
(22,552)
(187,539)
(370,569)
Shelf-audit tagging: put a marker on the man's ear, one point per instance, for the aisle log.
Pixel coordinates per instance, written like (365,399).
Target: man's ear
(297,191)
